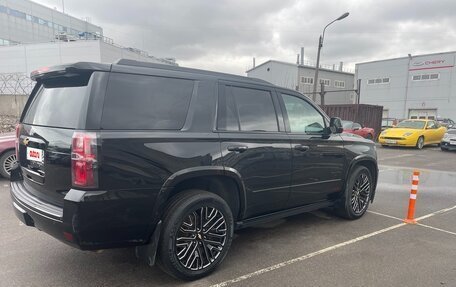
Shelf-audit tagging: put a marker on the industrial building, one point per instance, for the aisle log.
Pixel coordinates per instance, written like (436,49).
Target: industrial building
(300,76)
(415,86)
(33,36)
(24,21)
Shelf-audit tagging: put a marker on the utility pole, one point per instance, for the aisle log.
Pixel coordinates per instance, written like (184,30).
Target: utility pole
(322,94)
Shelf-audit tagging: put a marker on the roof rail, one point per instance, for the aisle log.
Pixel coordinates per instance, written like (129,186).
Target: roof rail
(135,63)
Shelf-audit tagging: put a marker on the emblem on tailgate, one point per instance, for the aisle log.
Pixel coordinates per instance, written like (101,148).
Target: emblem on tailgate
(26,141)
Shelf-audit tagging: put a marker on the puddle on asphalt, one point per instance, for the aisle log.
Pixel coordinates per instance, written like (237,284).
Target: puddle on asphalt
(430,180)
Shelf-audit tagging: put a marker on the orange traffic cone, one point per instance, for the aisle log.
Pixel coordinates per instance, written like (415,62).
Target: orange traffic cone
(411,209)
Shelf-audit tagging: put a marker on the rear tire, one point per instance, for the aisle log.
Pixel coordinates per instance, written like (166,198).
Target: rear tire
(7,162)
(197,233)
(357,194)
(420,142)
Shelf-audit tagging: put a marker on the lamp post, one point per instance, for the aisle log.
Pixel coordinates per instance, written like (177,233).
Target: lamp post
(320,44)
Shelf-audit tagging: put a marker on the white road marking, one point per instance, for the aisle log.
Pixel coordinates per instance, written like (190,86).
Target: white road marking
(330,248)
(438,229)
(435,213)
(307,256)
(385,215)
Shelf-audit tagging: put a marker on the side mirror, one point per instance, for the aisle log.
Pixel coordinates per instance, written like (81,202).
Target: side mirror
(335,125)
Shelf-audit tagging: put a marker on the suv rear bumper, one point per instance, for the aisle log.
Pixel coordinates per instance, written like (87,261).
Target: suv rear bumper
(46,217)
(86,221)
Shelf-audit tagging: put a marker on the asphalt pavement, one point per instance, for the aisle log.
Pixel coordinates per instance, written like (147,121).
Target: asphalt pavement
(313,249)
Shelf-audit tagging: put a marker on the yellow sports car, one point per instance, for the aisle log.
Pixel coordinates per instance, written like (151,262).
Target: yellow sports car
(413,133)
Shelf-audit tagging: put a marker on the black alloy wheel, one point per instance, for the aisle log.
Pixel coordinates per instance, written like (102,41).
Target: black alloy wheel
(196,236)
(355,201)
(201,238)
(360,194)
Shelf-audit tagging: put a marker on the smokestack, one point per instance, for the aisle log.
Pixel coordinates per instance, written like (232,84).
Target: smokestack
(297,59)
(302,55)
(341,66)
(254,62)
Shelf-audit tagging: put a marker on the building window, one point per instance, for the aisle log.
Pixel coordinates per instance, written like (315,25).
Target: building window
(307,80)
(339,84)
(426,77)
(325,82)
(378,81)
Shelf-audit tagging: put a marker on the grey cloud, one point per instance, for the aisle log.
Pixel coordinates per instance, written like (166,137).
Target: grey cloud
(225,35)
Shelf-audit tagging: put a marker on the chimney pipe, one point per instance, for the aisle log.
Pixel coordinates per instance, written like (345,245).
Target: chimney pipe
(297,59)
(302,55)
(254,62)
(341,66)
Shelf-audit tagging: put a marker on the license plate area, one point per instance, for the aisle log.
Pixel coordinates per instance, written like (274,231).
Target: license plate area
(391,141)
(35,155)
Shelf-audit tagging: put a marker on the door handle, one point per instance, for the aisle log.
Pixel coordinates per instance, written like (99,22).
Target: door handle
(301,147)
(238,148)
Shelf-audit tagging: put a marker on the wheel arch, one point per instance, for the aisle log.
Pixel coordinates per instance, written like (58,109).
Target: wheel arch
(225,182)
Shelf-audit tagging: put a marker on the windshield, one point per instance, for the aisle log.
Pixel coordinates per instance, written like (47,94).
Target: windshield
(347,125)
(411,124)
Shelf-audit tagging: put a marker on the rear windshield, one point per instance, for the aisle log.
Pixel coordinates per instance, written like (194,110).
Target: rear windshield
(57,106)
(146,102)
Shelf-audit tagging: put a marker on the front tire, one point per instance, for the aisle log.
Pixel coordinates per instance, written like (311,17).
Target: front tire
(420,142)
(357,195)
(198,230)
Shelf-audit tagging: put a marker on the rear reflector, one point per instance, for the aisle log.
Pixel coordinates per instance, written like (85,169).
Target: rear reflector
(16,142)
(84,160)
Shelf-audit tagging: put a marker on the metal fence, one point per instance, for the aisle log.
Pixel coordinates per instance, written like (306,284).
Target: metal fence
(367,115)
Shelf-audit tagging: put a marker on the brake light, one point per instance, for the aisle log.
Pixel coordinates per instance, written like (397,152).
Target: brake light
(16,142)
(84,160)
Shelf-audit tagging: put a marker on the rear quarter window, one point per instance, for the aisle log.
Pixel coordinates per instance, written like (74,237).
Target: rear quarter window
(146,102)
(60,102)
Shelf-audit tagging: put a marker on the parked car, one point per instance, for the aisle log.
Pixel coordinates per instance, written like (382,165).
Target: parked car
(449,140)
(448,123)
(7,153)
(357,129)
(389,123)
(172,160)
(413,133)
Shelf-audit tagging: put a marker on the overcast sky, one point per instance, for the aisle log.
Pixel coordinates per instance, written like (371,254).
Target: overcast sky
(225,35)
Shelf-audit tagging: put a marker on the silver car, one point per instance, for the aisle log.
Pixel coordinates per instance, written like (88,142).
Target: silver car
(449,140)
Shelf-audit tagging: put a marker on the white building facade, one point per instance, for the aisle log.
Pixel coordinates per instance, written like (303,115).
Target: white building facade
(301,78)
(24,21)
(422,86)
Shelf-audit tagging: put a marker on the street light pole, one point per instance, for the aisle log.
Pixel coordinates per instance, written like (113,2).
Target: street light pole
(320,45)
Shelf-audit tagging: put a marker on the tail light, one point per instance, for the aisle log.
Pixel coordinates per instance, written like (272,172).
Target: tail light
(84,169)
(16,142)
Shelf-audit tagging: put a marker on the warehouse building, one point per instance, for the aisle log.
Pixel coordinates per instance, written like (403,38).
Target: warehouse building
(300,77)
(421,86)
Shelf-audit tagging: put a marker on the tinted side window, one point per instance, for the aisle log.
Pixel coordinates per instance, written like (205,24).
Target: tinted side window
(302,117)
(255,109)
(356,126)
(146,102)
(227,119)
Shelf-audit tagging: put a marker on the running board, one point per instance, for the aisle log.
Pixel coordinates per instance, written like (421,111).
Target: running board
(283,213)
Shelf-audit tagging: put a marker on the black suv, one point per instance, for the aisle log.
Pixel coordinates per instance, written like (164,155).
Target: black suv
(172,160)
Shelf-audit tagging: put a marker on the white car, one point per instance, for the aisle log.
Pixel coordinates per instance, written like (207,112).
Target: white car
(449,140)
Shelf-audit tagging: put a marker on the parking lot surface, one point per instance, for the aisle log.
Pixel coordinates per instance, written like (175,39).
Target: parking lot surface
(313,249)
